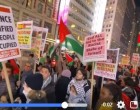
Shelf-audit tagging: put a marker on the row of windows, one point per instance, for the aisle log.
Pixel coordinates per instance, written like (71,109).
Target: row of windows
(41,5)
(81,12)
(79,28)
(78,19)
(83,5)
(111,2)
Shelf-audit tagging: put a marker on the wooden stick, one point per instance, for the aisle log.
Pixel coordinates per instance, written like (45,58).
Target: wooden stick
(7,82)
(34,67)
(93,64)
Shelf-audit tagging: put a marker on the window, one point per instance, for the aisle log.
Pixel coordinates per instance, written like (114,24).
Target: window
(15,0)
(49,12)
(49,26)
(29,3)
(40,8)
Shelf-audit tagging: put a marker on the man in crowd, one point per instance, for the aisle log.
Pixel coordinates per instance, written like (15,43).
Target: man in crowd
(31,60)
(3,86)
(48,85)
(27,71)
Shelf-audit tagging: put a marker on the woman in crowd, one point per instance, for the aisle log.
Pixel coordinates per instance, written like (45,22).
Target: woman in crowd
(110,93)
(128,88)
(82,84)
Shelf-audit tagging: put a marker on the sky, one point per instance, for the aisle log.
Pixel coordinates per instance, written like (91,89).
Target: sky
(137,3)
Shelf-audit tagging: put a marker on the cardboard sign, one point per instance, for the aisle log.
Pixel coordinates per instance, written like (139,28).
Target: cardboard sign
(44,36)
(9,47)
(125,60)
(24,31)
(36,41)
(108,68)
(95,48)
(135,59)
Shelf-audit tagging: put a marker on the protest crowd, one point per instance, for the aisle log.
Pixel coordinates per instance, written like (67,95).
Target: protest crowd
(72,84)
(98,81)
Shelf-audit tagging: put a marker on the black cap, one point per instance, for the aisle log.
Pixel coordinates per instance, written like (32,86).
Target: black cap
(34,81)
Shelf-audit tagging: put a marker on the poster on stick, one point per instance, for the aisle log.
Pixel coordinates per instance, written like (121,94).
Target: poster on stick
(44,36)
(95,48)
(36,41)
(108,68)
(125,60)
(24,31)
(135,59)
(9,47)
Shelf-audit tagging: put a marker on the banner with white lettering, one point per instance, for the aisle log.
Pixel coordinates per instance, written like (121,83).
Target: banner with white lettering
(24,31)
(108,68)
(9,47)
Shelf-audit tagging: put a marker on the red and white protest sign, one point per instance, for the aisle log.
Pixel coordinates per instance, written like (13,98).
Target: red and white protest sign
(108,68)
(95,48)
(135,59)
(9,47)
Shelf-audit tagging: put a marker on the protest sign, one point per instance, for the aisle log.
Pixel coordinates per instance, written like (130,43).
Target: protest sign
(44,36)
(108,68)
(36,41)
(135,59)
(24,31)
(125,60)
(95,48)
(9,47)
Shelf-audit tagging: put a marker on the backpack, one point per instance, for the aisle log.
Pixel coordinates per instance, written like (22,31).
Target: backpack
(126,100)
(87,86)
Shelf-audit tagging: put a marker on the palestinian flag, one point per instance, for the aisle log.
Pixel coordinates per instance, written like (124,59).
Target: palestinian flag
(138,40)
(68,58)
(52,49)
(67,40)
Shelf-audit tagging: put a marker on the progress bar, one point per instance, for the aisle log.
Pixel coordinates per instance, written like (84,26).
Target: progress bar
(49,105)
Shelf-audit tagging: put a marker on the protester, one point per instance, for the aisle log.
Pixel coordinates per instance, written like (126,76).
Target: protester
(48,84)
(62,85)
(82,84)
(128,88)
(119,72)
(39,67)
(110,93)
(76,98)
(3,86)
(31,60)
(32,90)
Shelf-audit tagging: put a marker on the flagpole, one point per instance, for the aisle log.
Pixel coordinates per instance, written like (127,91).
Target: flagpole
(56,28)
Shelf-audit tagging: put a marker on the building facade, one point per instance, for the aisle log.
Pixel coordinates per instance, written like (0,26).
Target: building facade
(118,23)
(40,11)
(80,18)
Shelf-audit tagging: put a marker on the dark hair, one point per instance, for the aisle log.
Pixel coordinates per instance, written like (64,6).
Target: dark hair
(115,91)
(31,55)
(48,68)
(9,66)
(83,71)
(129,82)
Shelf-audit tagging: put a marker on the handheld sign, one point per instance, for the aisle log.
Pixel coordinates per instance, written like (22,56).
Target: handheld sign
(24,31)
(108,68)
(95,48)
(9,48)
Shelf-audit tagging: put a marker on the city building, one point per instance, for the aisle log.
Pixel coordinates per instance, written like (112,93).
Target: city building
(40,11)
(80,18)
(118,23)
